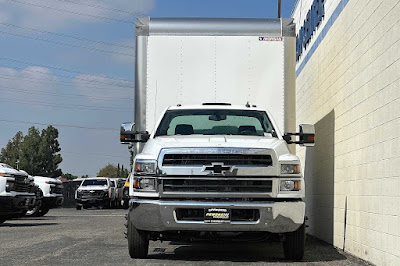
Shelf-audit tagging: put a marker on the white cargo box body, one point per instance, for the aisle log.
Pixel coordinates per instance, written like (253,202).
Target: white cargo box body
(193,61)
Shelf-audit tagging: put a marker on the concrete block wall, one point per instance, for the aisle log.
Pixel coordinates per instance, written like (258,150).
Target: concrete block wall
(350,89)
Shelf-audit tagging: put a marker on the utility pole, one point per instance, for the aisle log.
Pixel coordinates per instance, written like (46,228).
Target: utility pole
(279,8)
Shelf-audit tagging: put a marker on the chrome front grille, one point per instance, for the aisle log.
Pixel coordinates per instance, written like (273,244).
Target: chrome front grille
(95,193)
(217,185)
(262,160)
(21,184)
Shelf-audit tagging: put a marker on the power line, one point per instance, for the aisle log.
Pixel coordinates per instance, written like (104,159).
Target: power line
(62,94)
(73,12)
(65,44)
(76,106)
(93,154)
(104,8)
(55,82)
(80,153)
(69,36)
(58,125)
(70,71)
(64,69)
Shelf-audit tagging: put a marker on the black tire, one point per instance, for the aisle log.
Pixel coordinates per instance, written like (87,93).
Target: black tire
(126,204)
(78,207)
(293,246)
(34,212)
(43,211)
(138,242)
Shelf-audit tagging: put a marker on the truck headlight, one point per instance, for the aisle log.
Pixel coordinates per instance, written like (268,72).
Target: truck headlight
(290,169)
(9,186)
(145,184)
(290,185)
(145,167)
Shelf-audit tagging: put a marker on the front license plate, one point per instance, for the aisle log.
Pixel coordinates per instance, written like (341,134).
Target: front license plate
(217,215)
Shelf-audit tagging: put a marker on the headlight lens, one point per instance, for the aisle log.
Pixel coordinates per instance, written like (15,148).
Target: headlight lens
(145,184)
(290,185)
(9,186)
(145,167)
(290,169)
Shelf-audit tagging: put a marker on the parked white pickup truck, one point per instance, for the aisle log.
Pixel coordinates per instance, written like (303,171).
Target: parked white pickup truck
(15,194)
(222,169)
(95,191)
(52,195)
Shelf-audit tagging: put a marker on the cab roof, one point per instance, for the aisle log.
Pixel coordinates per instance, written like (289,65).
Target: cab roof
(222,106)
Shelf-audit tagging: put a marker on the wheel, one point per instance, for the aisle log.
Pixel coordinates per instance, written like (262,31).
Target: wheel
(34,212)
(138,242)
(79,207)
(293,246)
(43,211)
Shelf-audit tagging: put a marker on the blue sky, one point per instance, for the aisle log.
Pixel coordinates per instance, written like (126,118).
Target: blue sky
(70,63)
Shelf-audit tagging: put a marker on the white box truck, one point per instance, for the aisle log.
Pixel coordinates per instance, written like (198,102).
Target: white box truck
(211,99)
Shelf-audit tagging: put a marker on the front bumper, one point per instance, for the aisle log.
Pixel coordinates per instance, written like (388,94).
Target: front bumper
(53,202)
(17,204)
(274,217)
(92,201)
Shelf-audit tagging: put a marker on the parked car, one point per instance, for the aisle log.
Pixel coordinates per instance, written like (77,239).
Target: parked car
(51,195)
(16,194)
(119,183)
(125,193)
(95,192)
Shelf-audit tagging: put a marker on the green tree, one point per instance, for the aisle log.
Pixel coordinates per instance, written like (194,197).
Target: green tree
(30,158)
(113,171)
(49,152)
(85,176)
(69,176)
(11,153)
(109,170)
(37,152)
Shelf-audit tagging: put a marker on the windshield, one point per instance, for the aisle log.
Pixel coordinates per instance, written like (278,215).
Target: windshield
(94,182)
(215,122)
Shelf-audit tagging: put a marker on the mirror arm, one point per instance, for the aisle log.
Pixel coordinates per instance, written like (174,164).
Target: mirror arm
(288,138)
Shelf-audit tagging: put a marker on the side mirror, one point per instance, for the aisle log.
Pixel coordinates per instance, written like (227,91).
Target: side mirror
(306,136)
(129,134)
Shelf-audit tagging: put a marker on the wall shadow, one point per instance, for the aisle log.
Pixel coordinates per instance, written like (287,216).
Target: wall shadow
(319,175)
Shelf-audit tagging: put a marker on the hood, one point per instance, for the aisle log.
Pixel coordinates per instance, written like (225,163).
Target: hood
(11,171)
(46,179)
(154,146)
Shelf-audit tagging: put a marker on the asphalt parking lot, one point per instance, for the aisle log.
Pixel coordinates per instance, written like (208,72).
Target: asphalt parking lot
(96,237)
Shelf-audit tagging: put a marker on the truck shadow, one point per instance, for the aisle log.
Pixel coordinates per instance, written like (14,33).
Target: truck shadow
(11,224)
(316,251)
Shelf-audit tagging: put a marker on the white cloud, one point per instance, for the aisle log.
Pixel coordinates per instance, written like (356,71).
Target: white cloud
(32,83)
(96,88)
(55,14)
(122,57)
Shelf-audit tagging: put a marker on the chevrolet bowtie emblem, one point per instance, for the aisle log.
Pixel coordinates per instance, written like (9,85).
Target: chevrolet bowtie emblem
(217,168)
(92,191)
